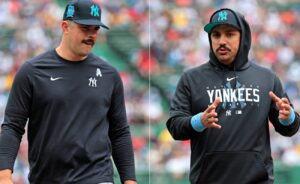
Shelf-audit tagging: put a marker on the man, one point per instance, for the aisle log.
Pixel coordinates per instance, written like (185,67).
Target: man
(224,107)
(74,104)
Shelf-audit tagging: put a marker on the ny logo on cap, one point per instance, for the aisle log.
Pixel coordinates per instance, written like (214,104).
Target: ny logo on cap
(70,11)
(95,10)
(222,16)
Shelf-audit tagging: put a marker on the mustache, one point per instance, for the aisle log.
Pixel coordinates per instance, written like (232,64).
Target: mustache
(89,41)
(223,47)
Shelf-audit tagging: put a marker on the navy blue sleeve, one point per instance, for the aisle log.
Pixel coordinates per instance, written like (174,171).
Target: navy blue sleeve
(119,132)
(15,118)
(286,130)
(179,122)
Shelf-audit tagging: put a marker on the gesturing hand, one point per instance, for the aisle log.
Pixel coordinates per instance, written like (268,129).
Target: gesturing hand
(283,105)
(209,117)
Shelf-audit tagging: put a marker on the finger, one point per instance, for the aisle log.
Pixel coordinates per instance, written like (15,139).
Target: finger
(214,105)
(212,120)
(217,102)
(274,97)
(285,109)
(211,108)
(284,113)
(279,105)
(282,117)
(215,125)
(285,106)
(285,100)
(208,121)
(212,114)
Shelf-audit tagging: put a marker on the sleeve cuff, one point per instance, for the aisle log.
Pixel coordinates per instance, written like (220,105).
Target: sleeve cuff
(290,120)
(196,123)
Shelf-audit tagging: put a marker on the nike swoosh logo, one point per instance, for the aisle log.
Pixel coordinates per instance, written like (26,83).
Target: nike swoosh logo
(56,78)
(230,79)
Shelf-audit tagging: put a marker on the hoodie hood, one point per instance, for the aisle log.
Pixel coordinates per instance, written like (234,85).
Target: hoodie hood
(241,59)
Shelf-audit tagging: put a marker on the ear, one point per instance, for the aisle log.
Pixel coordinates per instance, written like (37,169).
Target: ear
(65,26)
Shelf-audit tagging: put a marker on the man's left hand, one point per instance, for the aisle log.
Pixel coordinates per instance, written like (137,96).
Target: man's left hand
(283,105)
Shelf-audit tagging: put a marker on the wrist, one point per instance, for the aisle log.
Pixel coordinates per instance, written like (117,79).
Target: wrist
(196,122)
(290,119)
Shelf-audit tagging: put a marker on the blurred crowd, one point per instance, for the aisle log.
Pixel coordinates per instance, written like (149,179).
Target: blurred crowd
(174,32)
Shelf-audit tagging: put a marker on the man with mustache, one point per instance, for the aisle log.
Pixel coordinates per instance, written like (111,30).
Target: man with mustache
(74,104)
(224,108)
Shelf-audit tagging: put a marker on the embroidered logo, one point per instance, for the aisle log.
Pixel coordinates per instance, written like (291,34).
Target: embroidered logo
(98,73)
(54,79)
(95,10)
(93,82)
(70,11)
(230,79)
(222,16)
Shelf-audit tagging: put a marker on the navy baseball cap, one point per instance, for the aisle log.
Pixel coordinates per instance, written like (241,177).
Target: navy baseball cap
(86,12)
(222,16)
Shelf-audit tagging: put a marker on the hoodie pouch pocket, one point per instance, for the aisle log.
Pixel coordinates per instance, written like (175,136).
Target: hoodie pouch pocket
(233,167)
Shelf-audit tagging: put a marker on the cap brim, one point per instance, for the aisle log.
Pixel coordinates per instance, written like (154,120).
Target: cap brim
(91,23)
(209,27)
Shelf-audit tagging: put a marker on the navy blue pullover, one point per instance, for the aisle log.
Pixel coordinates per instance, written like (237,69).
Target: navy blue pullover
(239,152)
(76,121)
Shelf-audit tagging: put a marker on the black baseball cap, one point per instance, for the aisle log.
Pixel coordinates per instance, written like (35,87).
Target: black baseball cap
(86,12)
(222,16)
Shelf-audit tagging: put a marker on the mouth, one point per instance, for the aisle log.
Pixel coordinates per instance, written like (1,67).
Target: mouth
(89,42)
(223,50)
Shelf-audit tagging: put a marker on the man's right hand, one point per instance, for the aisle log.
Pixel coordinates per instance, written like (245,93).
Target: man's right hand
(209,117)
(6,176)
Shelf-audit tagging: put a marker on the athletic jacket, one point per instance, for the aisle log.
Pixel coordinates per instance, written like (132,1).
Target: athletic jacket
(239,152)
(76,121)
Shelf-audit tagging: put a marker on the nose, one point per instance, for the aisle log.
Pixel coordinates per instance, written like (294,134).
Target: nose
(222,40)
(92,33)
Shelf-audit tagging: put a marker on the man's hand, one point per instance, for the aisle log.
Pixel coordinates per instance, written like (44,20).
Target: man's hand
(130,182)
(283,105)
(209,117)
(6,177)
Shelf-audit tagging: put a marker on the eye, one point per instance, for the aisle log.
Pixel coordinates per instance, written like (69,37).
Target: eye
(89,28)
(84,28)
(215,35)
(230,34)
